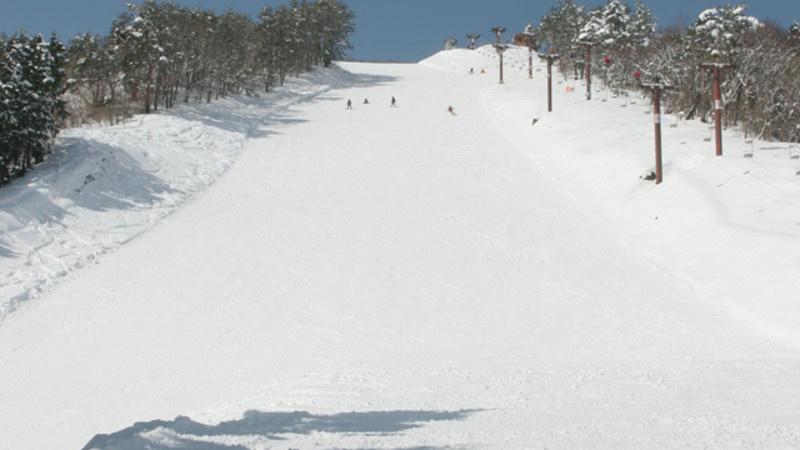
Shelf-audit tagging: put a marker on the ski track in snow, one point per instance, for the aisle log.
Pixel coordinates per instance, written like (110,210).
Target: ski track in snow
(402,277)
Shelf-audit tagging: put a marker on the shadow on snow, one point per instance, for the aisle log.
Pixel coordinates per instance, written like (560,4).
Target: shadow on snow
(93,175)
(253,115)
(5,250)
(186,433)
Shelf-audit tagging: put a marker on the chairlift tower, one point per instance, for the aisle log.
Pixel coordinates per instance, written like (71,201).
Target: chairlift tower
(500,47)
(498,31)
(473,38)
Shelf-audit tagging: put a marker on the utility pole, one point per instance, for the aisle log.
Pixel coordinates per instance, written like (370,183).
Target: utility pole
(500,47)
(656,89)
(588,66)
(715,69)
(552,56)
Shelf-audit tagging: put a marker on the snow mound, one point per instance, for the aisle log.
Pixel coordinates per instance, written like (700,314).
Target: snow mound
(104,186)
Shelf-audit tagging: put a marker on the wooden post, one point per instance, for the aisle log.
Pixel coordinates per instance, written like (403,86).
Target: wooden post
(530,61)
(549,84)
(715,70)
(550,58)
(501,64)
(657,125)
(656,89)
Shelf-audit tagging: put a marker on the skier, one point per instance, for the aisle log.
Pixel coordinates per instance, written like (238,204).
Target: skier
(394,102)
(349,104)
(366,102)
(451,110)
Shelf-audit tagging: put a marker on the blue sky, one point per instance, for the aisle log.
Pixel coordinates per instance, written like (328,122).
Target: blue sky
(387,30)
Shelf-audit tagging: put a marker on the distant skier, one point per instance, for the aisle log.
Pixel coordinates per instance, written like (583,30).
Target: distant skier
(366,102)
(349,104)
(451,110)
(394,102)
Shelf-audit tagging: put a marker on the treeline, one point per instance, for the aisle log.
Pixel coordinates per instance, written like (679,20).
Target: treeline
(760,89)
(156,55)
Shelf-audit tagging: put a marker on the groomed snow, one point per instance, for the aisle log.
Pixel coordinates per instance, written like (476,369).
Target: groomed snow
(280,272)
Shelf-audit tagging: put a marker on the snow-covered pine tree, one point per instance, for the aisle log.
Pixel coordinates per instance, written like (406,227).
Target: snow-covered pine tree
(616,18)
(235,47)
(56,86)
(561,25)
(92,83)
(159,53)
(794,34)
(608,28)
(643,36)
(718,32)
(9,80)
(643,28)
(593,29)
(559,30)
(31,86)
(333,30)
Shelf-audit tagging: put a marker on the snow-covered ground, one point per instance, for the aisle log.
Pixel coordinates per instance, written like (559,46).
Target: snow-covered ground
(284,273)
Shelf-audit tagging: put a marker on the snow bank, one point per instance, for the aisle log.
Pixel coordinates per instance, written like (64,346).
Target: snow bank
(104,186)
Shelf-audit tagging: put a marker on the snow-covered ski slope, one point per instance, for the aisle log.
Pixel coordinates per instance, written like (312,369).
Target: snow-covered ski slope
(306,276)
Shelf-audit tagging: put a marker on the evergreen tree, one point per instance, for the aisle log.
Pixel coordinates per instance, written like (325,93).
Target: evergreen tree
(31,85)
(93,77)
(643,28)
(335,28)
(794,35)
(615,17)
(593,30)
(135,40)
(57,85)
(10,78)
(561,26)
(718,32)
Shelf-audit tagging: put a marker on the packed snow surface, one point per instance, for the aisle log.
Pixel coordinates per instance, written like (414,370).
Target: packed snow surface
(281,272)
